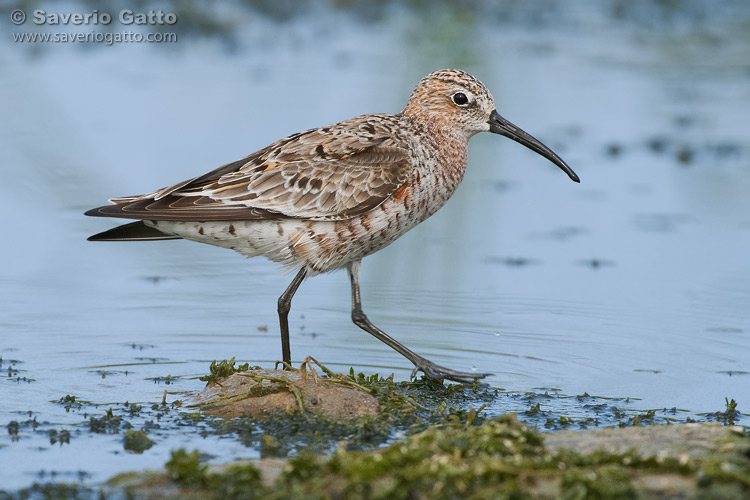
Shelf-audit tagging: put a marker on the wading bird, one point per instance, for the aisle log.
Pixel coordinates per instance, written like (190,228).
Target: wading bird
(325,198)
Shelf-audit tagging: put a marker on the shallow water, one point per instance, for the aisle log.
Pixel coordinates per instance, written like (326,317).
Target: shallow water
(632,284)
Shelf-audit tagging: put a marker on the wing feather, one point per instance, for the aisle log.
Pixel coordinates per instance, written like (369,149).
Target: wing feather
(330,173)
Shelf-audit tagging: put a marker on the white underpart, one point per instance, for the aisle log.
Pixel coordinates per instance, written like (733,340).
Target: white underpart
(294,243)
(251,238)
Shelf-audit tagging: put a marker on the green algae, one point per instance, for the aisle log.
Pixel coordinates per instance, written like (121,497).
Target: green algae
(223,369)
(405,408)
(62,437)
(54,491)
(408,410)
(239,481)
(443,452)
(137,441)
(451,450)
(729,416)
(501,458)
(14,372)
(13,429)
(166,380)
(107,424)
(185,468)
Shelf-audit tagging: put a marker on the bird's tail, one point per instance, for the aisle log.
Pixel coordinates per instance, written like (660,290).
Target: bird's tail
(135,231)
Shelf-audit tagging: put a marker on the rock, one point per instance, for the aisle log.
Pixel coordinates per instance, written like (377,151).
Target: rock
(261,393)
(674,441)
(501,456)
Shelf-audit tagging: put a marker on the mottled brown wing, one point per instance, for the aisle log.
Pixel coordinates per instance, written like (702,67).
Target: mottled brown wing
(329,173)
(317,188)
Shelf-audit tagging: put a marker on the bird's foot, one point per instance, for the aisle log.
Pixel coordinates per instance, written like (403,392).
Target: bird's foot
(437,372)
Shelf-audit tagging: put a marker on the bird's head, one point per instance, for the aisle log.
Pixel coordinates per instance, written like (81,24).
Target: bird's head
(456,100)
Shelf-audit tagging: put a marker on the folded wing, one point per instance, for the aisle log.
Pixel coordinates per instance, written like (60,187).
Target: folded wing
(329,173)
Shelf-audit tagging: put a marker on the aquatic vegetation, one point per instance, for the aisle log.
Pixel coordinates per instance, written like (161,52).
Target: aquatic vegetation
(223,369)
(238,481)
(13,428)
(63,437)
(501,458)
(186,468)
(730,416)
(169,379)
(425,433)
(14,372)
(108,424)
(62,491)
(405,408)
(137,441)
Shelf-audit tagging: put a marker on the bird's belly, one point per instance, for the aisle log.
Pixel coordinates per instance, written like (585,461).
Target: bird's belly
(321,245)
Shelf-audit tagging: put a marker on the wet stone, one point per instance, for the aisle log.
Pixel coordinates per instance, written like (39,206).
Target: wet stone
(501,456)
(674,441)
(262,393)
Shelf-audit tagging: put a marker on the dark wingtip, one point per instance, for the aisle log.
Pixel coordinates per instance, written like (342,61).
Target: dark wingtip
(135,231)
(94,212)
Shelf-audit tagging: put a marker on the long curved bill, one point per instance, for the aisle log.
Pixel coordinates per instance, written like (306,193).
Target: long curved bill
(500,125)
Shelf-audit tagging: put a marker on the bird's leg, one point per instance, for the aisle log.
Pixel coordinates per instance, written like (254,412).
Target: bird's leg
(430,369)
(285,303)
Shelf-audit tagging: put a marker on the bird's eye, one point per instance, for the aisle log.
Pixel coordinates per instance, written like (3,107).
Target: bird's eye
(460,99)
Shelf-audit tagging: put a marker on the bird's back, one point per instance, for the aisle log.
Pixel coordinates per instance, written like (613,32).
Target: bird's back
(318,198)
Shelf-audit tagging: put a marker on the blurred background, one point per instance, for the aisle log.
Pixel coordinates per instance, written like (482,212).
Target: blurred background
(633,284)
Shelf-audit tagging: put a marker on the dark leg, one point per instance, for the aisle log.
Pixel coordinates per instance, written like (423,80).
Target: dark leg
(430,369)
(285,303)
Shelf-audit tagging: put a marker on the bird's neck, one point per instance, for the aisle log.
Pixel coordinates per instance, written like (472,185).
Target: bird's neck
(448,145)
